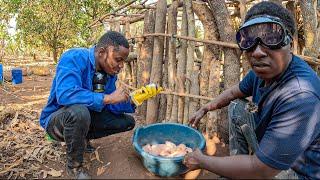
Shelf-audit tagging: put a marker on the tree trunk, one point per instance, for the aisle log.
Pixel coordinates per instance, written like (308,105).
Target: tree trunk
(178,102)
(243,9)
(156,71)
(210,62)
(291,6)
(55,55)
(244,62)
(309,15)
(190,59)
(146,54)
(163,97)
(231,68)
(172,60)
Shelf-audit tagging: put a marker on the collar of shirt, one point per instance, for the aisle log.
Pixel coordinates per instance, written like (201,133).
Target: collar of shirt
(92,58)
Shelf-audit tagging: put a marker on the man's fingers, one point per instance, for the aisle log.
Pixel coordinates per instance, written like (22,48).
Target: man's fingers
(195,123)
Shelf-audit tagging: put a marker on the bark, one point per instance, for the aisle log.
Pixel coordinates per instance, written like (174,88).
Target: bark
(244,62)
(231,68)
(291,6)
(243,9)
(172,61)
(163,98)
(156,71)
(214,90)
(309,15)
(115,24)
(146,54)
(190,61)
(55,55)
(210,63)
(127,30)
(194,89)
(181,70)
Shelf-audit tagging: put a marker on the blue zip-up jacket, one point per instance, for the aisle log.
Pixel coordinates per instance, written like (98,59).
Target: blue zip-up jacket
(72,84)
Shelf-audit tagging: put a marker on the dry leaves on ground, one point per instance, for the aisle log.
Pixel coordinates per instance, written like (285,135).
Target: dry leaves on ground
(24,150)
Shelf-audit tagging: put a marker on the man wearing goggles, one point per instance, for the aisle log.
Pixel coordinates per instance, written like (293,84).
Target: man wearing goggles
(281,137)
(265,30)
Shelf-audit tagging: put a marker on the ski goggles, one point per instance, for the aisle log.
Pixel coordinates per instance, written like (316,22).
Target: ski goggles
(266,30)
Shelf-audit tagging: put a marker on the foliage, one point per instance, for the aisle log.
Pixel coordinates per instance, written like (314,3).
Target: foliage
(51,25)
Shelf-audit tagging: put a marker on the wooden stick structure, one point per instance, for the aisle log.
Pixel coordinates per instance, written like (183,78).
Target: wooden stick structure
(311,60)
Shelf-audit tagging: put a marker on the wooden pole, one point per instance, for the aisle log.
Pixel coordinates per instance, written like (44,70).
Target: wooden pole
(156,71)
(210,66)
(310,60)
(172,29)
(145,55)
(190,61)
(181,70)
(231,68)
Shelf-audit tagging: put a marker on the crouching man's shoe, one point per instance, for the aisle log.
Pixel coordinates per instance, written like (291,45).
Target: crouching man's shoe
(78,173)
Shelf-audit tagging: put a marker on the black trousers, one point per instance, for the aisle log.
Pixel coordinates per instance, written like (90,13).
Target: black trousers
(75,124)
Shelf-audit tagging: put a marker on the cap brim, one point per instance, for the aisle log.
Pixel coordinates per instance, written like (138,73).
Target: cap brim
(259,20)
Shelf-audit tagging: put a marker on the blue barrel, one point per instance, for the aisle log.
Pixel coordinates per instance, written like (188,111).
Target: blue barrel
(1,74)
(16,76)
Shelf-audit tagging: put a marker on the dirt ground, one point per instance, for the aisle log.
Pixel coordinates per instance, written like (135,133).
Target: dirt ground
(115,157)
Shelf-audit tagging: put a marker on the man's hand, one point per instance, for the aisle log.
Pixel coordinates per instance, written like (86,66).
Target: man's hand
(144,93)
(192,160)
(119,95)
(195,118)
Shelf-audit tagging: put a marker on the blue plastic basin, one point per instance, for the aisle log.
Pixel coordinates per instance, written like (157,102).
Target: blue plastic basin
(158,134)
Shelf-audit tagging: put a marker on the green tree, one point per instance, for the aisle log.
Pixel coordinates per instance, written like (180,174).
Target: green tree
(48,24)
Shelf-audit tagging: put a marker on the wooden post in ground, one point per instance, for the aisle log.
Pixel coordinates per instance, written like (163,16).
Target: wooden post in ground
(210,66)
(178,102)
(291,6)
(231,68)
(309,15)
(145,55)
(172,61)
(163,98)
(156,70)
(189,107)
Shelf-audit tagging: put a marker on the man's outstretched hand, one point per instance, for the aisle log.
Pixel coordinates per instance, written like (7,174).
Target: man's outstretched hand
(192,160)
(195,118)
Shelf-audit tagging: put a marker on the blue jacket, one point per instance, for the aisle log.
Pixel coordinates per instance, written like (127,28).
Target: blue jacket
(72,84)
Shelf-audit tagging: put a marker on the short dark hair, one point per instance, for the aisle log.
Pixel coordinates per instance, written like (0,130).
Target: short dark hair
(112,38)
(273,9)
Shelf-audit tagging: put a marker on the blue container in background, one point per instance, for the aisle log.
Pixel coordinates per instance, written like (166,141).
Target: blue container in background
(158,134)
(16,76)
(1,74)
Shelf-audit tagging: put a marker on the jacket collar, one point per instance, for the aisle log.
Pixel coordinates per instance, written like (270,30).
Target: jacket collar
(91,57)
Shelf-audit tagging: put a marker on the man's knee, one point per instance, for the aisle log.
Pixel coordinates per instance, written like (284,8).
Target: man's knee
(79,114)
(129,123)
(236,110)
